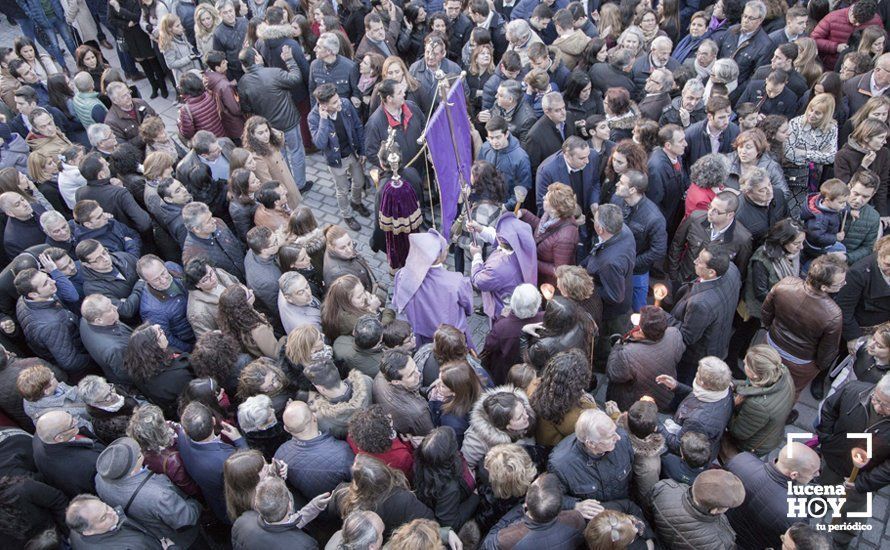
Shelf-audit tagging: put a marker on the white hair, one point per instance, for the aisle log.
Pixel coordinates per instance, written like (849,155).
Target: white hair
(713,374)
(97,132)
(662,41)
(883,386)
(589,427)
(255,412)
(92,389)
(288,281)
(758,5)
(693,85)
(525,301)
(329,41)
(519,29)
(51,217)
(191,212)
(551,99)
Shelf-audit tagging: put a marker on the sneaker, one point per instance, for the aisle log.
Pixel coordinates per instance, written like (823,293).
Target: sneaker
(360,209)
(106,44)
(354,225)
(305,189)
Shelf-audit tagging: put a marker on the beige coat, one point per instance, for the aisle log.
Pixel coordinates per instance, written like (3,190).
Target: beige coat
(274,167)
(570,47)
(78,15)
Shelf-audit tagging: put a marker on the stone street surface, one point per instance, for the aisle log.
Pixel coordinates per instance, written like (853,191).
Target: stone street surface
(323,202)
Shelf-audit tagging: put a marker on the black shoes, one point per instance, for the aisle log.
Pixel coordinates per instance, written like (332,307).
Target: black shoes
(354,225)
(305,189)
(360,209)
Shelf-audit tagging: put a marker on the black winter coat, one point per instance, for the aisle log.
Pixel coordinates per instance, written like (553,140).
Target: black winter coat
(69,466)
(698,144)
(847,412)
(116,201)
(667,186)
(603,478)
(865,299)
(39,505)
(163,389)
(53,334)
(268,92)
(119,291)
(705,418)
(763,517)
(544,139)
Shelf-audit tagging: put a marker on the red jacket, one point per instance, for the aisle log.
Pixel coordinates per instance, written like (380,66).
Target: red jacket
(400,456)
(169,463)
(200,113)
(556,246)
(230,109)
(698,198)
(835,28)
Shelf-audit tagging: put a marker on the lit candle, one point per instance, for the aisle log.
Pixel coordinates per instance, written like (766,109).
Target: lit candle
(520,193)
(859,457)
(635,319)
(660,292)
(548,291)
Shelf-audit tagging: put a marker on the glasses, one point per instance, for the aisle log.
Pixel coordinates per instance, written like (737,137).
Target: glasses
(752,17)
(718,212)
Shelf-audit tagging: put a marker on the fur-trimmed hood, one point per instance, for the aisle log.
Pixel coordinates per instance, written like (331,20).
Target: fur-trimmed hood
(481,426)
(334,417)
(627,120)
(273,32)
(650,446)
(313,241)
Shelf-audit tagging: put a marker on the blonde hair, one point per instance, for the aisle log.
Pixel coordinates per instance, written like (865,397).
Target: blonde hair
(610,16)
(610,530)
(419,533)
(156,164)
(510,470)
(562,199)
(37,166)
(765,363)
(165,31)
(32,382)
(807,63)
(574,282)
(825,102)
(395,60)
(200,32)
(300,343)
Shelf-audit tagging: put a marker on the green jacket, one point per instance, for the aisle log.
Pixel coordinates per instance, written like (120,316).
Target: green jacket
(87,106)
(758,424)
(861,233)
(753,304)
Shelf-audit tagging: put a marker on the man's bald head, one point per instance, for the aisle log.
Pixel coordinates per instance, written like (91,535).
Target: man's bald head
(298,419)
(56,427)
(798,462)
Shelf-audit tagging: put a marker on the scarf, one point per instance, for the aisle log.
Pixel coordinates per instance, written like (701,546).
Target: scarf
(788,266)
(650,36)
(703,72)
(708,396)
(324,354)
(365,83)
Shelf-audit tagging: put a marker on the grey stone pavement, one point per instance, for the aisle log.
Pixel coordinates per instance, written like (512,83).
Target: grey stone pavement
(324,204)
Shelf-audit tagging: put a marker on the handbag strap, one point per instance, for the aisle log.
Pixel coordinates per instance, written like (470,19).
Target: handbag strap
(136,492)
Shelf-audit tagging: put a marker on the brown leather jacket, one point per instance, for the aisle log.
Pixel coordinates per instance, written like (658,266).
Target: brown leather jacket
(803,322)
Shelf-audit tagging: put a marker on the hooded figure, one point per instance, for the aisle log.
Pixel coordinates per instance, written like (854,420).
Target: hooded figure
(513,262)
(426,294)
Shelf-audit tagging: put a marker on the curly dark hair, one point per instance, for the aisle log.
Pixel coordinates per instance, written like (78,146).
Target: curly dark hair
(487,182)
(565,378)
(252,144)
(371,430)
(215,356)
(437,463)
(236,316)
(144,357)
(12,516)
(125,159)
(251,379)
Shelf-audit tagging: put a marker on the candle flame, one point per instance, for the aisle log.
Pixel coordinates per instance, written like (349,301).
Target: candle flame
(635,319)
(660,291)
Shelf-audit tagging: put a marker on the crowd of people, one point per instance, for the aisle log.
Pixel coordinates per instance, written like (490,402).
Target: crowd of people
(675,228)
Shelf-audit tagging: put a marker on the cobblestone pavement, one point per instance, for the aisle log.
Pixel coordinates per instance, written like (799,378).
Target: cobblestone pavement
(323,202)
